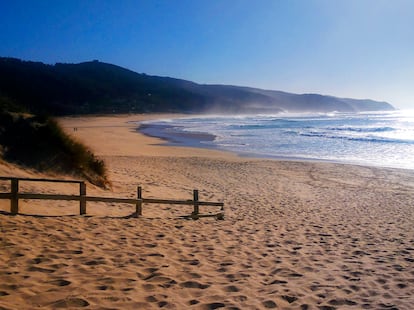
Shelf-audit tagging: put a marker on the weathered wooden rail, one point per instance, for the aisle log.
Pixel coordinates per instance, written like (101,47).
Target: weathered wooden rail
(14,197)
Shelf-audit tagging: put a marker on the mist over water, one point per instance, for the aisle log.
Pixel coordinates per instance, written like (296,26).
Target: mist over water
(379,139)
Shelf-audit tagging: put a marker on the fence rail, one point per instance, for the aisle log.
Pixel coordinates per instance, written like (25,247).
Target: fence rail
(14,197)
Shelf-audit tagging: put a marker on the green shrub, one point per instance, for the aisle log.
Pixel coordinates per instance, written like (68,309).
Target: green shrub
(40,143)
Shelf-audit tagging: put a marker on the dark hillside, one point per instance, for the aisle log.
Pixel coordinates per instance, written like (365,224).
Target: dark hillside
(96,87)
(90,87)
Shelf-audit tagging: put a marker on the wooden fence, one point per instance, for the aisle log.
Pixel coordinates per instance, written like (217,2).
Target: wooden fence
(14,197)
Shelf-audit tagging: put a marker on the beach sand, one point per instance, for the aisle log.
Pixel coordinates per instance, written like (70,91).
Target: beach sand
(296,235)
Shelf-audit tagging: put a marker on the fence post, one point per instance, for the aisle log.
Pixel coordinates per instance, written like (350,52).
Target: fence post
(139,202)
(14,201)
(195,199)
(82,200)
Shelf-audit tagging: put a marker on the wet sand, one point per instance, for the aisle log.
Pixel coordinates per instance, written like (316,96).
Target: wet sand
(296,235)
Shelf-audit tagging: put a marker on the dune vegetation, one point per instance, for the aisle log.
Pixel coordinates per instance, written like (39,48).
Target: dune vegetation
(39,142)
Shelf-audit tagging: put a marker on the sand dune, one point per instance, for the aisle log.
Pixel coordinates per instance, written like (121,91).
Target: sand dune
(296,235)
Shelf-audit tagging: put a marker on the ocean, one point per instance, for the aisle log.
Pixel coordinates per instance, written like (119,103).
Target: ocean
(375,139)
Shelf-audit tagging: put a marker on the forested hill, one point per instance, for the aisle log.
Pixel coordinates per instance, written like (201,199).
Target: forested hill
(96,87)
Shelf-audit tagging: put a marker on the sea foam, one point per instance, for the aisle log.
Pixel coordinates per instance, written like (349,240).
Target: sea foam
(381,139)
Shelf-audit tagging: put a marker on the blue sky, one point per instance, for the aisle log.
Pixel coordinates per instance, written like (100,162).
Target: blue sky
(346,48)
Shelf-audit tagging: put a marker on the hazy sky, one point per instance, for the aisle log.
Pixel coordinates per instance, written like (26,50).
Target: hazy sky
(347,48)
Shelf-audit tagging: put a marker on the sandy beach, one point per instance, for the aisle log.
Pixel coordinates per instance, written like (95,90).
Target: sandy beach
(296,235)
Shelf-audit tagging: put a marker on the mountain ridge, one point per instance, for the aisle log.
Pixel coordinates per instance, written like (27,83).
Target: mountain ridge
(98,87)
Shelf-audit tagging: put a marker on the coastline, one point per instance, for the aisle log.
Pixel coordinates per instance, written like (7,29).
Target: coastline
(119,135)
(174,136)
(296,235)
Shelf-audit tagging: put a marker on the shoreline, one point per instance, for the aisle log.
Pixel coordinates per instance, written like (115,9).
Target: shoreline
(170,136)
(296,235)
(118,135)
(176,138)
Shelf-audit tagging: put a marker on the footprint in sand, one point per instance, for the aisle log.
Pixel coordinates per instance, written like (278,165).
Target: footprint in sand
(60,282)
(289,299)
(104,287)
(232,289)
(194,284)
(270,304)
(43,270)
(214,305)
(160,280)
(71,303)
(286,272)
(342,302)
(193,302)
